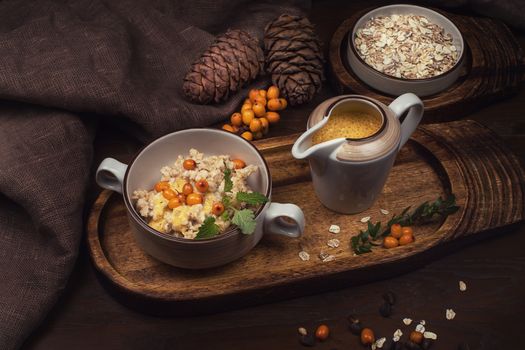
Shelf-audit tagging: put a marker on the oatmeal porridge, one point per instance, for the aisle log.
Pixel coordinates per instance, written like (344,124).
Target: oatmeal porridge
(197,193)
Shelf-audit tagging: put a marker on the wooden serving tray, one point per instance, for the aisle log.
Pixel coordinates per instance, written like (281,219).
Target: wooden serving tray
(461,157)
(495,67)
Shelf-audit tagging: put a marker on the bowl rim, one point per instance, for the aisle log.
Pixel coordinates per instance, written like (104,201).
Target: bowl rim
(230,232)
(456,65)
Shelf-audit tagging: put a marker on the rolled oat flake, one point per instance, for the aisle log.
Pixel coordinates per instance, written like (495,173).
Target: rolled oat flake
(304,256)
(365,219)
(450,314)
(333,243)
(462,286)
(334,229)
(430,335)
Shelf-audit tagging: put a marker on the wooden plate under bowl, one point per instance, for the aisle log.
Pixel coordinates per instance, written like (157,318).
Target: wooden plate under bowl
(460,157)
(494,68)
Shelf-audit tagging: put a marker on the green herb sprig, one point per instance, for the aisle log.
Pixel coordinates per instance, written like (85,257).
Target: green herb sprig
(364,241)
(243,218)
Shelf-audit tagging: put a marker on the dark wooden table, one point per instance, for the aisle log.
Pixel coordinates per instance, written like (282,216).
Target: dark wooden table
(490,314)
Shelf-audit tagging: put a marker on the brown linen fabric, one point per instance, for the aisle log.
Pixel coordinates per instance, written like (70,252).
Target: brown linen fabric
(64,65)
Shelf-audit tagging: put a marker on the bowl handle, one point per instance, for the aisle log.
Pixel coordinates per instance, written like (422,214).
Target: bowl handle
(284,219)
(414,105)
(110,174)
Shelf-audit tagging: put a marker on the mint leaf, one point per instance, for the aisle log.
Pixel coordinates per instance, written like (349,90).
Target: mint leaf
(228,184)
(251,198)
(245,220)
(208,229)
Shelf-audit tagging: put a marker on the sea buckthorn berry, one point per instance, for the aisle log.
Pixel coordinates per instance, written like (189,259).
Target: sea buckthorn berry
(236,119)
(261,100)
(416,337)
(189,164)
(262,93)
(174,203)
(273,92)
(247,116)
(407,230)
(238,163)
(228,127)
(395,231)
(258,135)
(247,135)
(273,117)
(390,242)
(161,186)
(255,125)
(187,189)
(246,107)
(202,185)
(253,94)
(274,104)
(284,103)
(217,208)
(169,194)
(367,336)
(182,198)
(258,109)
(265,125)
(194,198)
(406,239)
(322,332)
(247,100)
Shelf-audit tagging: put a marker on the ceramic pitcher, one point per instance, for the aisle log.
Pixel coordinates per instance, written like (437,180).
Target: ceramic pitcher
(348,174)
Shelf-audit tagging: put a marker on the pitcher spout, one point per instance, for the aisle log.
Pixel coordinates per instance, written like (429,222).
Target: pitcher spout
(303,148)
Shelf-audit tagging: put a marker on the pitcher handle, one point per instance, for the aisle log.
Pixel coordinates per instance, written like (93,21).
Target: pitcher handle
(110,174)
(400,105)
(275,220)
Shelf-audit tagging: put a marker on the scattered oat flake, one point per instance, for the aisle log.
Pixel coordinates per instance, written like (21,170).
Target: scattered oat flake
(380,342)
(462,286)
(329,258)
(407,321)
(325,257)
(384,211)
(422,322)
(450,314)
(430,335)
(333,243)
(365,219)
(373,346)
(302,331)
(398,334)
(420,328)
(334,229)
(304,256)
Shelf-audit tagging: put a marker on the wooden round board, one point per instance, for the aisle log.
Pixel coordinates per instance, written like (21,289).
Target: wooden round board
(460,157)
(495,68)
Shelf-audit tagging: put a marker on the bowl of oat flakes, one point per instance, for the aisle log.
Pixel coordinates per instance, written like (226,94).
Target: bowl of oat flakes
(406,48)
(199,198)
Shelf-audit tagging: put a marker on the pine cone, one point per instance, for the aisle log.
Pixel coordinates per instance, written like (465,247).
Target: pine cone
(234,59)
(294,58)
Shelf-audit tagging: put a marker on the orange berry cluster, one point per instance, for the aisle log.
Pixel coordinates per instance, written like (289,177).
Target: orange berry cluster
(258,111)
(398,236)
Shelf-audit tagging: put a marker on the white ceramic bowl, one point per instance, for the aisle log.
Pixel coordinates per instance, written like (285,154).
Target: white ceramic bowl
(144,171)
(396,86)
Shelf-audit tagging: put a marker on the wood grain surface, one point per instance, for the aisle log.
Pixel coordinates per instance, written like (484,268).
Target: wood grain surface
(459,157)
(490,314)
(494,68)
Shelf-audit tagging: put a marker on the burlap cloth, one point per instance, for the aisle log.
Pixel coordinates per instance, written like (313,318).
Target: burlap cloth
(63,66)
